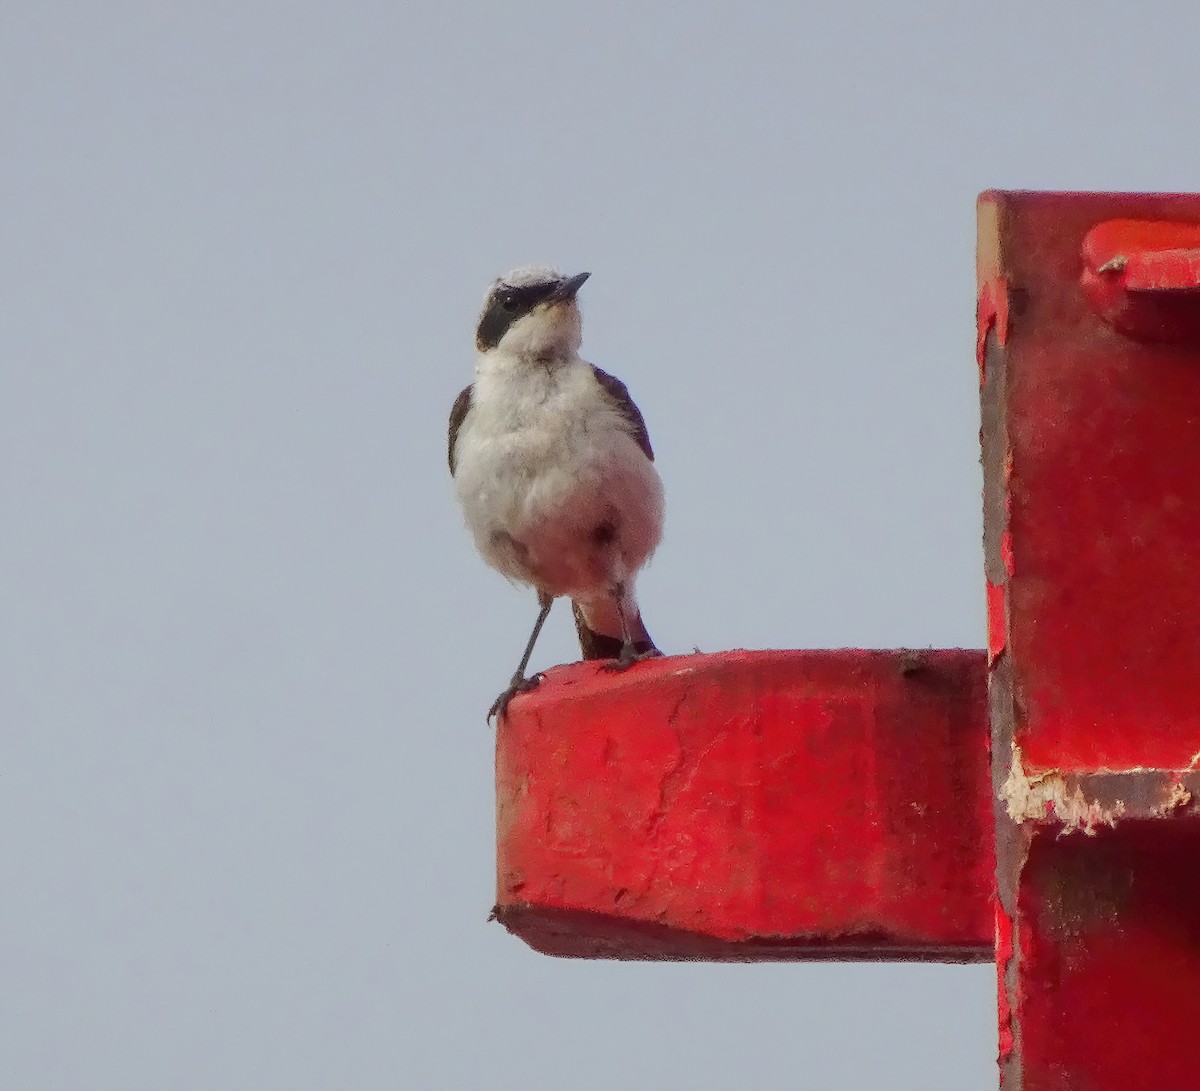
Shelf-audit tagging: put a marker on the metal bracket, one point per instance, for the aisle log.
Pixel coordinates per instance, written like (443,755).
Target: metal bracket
(1143,278)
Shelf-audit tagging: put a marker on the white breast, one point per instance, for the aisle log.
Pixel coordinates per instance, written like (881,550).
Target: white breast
(543,461)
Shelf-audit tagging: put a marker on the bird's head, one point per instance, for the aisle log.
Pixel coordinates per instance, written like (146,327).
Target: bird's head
(532,313)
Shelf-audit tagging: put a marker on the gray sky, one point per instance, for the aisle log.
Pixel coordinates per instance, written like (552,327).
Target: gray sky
(245,647)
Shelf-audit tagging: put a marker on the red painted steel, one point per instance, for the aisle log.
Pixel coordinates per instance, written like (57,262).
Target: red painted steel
(1143,277)
(1110,936)
(751,805)
(1092,468)
(1103,606)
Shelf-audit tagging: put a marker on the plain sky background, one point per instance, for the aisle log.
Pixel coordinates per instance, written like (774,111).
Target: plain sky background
(246,827)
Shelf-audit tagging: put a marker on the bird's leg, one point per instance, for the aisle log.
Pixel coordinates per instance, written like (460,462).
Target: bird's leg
(629,653)
(519,683)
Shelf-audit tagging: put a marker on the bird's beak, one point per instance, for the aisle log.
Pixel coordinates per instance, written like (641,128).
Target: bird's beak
(568,288)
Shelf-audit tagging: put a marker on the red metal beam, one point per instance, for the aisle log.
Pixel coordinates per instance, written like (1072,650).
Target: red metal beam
(1091,438)
(751,805)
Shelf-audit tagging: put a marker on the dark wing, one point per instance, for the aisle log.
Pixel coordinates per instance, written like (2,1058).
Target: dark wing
(457,415)
(615,389)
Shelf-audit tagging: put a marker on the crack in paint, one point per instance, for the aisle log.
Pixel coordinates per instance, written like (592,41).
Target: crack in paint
(676,780)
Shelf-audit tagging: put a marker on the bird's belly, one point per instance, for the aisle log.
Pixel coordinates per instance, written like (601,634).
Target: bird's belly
(567,513)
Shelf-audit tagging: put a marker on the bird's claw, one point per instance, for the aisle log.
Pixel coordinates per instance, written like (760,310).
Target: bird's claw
(518,685)
(628,657)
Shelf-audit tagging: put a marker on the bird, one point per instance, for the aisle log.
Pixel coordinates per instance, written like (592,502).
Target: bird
(553,469)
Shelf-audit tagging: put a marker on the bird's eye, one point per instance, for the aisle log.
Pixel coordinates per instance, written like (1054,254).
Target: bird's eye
(509,303)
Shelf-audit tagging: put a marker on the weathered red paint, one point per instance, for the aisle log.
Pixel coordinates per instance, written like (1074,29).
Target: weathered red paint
(1143,277)
(1110,996)
(1004,950)
(1104,436)
(1091,465)
(991,315)
(751,805)
(997,629)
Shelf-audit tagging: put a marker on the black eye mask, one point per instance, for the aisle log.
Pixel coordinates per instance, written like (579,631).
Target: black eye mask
(505,305)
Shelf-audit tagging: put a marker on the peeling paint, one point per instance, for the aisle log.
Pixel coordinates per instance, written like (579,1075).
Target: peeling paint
(1006,550)
(997,621)
(1047,796)
(1177,796)
(991,313)
(1004,953)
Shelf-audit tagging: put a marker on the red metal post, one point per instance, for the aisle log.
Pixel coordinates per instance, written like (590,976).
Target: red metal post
(751,805)
(1089,314)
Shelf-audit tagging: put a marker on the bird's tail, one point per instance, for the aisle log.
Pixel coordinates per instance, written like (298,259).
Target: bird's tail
(602,645)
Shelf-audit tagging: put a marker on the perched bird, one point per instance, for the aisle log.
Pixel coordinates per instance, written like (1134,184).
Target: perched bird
(554,470)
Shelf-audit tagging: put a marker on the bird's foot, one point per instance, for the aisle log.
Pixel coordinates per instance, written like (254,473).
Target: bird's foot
(629,655)
(518,685)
